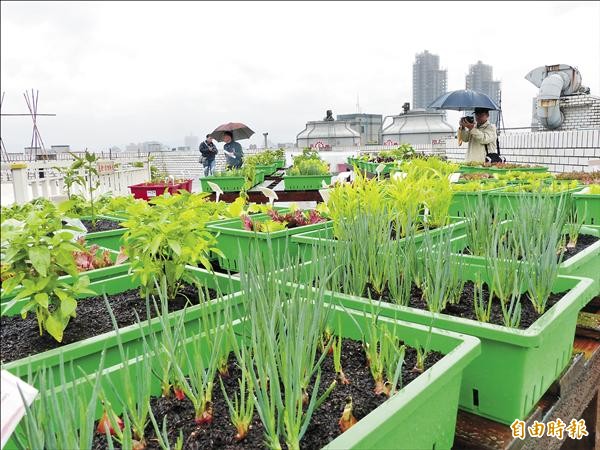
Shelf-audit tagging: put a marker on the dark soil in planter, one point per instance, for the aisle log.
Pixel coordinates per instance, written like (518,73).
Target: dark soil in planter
(101,225)
(583,242)
(464,308)
(21,337)
(323,426)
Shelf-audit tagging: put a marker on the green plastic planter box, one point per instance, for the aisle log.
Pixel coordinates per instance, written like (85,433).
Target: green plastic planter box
(516,367)
(473,169)
(86,353)
(323,238)
(507,202)
(305,182)
(519,169)
(111,239)
(587,206)
(227,184)
(268,169)
(421,415)
(585,264)
(463,201)
(235,242)
(280,163)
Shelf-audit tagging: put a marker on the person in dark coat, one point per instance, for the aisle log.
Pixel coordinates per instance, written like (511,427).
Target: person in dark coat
(209,151)
(233,152)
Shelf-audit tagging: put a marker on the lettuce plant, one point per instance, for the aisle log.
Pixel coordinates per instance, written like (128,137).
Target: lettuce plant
(281,221)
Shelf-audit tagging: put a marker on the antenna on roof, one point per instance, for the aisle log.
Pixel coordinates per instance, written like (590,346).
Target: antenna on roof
(357,104)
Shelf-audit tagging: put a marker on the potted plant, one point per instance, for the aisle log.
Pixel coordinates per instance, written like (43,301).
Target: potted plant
(467,193)
(524,312)
(577,247)
(507,199)
(270,230)
(234,180)
(308,172)
(156,187)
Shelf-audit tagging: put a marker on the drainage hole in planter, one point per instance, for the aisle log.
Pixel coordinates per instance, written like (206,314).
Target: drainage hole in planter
(475,397)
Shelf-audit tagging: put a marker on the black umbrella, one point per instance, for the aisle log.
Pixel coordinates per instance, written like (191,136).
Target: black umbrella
(464,99)
(239,131)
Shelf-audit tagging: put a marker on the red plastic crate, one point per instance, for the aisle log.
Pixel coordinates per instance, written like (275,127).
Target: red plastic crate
(147,191)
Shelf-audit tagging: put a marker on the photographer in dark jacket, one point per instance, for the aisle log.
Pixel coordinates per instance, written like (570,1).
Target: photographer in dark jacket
(209,151)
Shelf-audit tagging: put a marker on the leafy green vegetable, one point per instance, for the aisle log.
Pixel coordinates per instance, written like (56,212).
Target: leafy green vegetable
(38,251)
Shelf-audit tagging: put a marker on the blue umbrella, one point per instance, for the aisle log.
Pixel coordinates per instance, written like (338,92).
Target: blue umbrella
(464,99)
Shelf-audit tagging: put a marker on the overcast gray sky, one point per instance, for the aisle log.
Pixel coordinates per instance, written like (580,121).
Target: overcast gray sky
(123,72)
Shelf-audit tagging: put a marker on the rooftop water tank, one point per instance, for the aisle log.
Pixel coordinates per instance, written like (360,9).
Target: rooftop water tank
(418,127)
(327,134)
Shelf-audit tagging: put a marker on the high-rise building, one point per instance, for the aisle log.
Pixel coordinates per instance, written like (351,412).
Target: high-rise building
(429,81)
(481,79)
(192,142)
(368,125)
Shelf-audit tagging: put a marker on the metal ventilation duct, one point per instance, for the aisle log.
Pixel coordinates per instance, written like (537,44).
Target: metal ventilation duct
(554,82)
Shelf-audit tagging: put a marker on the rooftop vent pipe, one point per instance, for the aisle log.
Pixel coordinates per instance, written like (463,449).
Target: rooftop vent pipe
(554,82)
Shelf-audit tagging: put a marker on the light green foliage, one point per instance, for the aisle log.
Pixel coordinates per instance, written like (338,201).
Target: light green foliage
(524,176)
(309,163)
(38,251)
(20,212)
(540,186)
(594,189)
(161,239)
(476,186)
(265,157)
(90,180)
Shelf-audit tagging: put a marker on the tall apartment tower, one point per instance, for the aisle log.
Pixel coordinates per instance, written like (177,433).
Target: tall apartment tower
(481,79)
(429,82)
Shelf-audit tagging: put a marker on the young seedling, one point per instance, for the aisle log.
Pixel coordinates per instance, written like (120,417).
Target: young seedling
(372,346)
(162,435)
(198,384)
(441,276)
(337,360)
(241,409)
(422,353)
(347,420)
(135,389)
(59,418)
(574,225)
(483,311)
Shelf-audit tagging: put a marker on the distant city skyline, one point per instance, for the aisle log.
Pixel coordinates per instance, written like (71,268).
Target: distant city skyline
(428,80)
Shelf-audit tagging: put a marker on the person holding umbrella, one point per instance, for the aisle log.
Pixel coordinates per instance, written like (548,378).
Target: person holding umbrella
(480,134)
(233,151)
(230,133)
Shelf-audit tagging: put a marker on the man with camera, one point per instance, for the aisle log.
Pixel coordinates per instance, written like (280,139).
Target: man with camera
(480,134)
